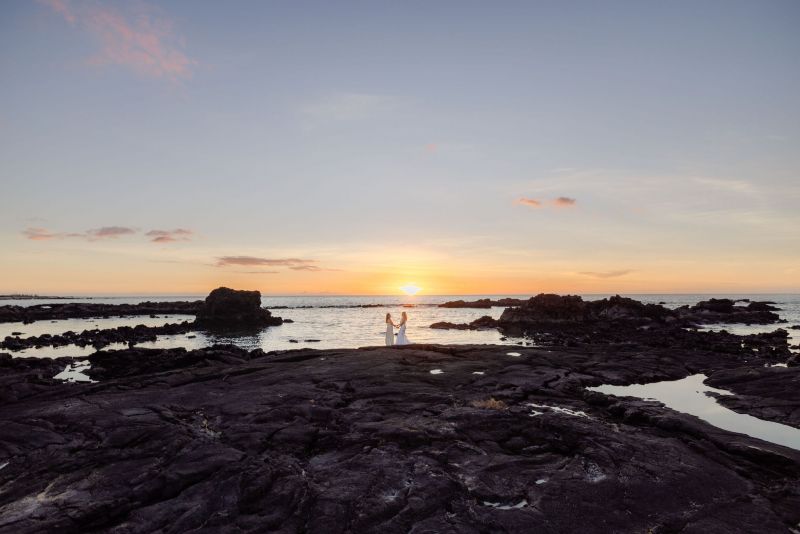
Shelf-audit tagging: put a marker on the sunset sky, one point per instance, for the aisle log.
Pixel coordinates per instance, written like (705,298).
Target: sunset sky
(466,147)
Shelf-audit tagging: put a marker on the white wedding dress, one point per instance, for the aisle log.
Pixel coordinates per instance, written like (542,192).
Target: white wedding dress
(401,336)
(389,334)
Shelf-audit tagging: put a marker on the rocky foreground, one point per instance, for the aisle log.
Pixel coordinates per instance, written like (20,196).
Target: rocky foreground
(412,439)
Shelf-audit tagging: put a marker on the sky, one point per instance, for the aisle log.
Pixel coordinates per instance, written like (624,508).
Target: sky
(465,147)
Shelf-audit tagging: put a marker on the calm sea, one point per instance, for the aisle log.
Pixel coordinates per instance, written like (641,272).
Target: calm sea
(326,322)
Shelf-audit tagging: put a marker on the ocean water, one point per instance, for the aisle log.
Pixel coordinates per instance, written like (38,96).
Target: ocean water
(326,322)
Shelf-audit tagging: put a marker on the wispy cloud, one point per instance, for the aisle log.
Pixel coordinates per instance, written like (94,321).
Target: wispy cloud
(349,106)
(312,268)
(605,274)
(95,234)
(62,8)
(559,202)
(305,268)
(532,202)
(720,184)
(169,236)
(42,234)
(251,261)
(109,232)
(564,202)
(143,41)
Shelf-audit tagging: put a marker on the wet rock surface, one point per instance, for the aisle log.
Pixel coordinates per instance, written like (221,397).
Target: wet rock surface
(369,440)
(226,308)
(771,393)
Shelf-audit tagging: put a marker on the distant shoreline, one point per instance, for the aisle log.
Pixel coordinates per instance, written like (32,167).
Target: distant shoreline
(38,297)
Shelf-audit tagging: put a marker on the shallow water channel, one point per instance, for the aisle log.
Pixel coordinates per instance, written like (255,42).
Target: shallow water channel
(690,395)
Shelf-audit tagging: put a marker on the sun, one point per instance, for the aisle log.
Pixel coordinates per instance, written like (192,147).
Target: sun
(410,289)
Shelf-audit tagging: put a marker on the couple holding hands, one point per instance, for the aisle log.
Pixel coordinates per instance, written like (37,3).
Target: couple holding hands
(401,334)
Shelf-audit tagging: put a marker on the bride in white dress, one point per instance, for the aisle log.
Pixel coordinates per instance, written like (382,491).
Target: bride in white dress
(389,330)
(401,334)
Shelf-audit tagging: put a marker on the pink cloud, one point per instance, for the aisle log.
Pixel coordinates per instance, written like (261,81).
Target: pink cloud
(564,202)
(40,234)
(61,7)
(144,42)
(169,236)
(532,202)
(431,148)
(109,232)
(606,274)
(105,232)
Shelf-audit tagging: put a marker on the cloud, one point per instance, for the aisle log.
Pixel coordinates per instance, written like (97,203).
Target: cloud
(254,261)
(257,272)
(62,8)
(169,236)
(564,202)
(732,186)
(42,234)
(143,41)
(349,106)
(109,232)
(560,202)
(605,274)
(105,232)
(431,148)
(532,202)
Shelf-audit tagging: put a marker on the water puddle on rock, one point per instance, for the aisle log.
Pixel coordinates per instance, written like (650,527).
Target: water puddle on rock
(522,504)
(690,395)
(556,409)
(74,372)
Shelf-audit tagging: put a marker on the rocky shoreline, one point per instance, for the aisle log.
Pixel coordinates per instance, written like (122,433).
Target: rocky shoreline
(98,338)
(83,310)
(425,438)
(420,438)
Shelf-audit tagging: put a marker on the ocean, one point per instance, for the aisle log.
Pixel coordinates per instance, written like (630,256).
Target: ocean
(329,322)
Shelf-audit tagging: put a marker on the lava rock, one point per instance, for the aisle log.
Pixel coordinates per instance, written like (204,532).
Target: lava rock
(231,308)
(482,303)
(483,323)
(725,311)
(70,310)
(367,440)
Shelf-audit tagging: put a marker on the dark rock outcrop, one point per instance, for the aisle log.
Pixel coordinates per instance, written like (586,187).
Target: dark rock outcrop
(549,309)
(544,311)
(368,440)
(483,323)
(483,303)
(97,338)
(232,309)
(726,311)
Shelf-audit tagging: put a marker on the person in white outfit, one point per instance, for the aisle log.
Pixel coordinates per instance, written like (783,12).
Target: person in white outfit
(389,330)
(401,334)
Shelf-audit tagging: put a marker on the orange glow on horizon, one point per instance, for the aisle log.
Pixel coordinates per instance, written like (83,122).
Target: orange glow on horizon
(410,289)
